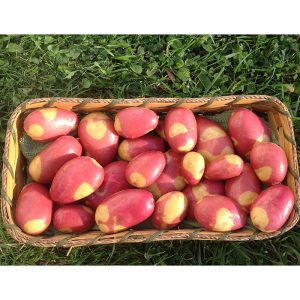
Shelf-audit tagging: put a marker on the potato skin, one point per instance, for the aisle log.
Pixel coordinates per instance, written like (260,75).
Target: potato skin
(44,165)
(253,131)
(130,148)
(98,137)
(170,210)
(212,141)
(272,208)
(219,213)
(33,211)
(134,122)
(73,218)
(47,124)
(192,167)
(123,210)
(160,129)
(76,179)
(181,129)
(145,168)
(197,192)
(171,178)
(224,167)
(269,163)
(114,181)
(244,188)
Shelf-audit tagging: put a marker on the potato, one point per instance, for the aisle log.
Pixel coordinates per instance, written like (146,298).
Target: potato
(47,124)
(114,181)
(160,129)
(130,148)
(33,211)
(192,167)
(246,129)
(134,122)
(212,141)
(219,213)
(197,192)
(44,166)
(272,208)
(170,179)
(145,168)
(181,129)
(76,179)
(244,188)
(170,210)
(269,163)
(123,210)
(73,218)
(98,137)
(224,167)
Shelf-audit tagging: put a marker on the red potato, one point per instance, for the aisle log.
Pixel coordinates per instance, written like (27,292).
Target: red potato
(123,210)
(197,192)
(212,141)
(269,163)
(33,211)
(160,129)
(73,218)
(170,210)
(192,167)
(76,179)
(272,208)
(145,168)
(244,188)
(130,148)
(98,137)
(224,167)
(219,213)
(47,124)
(134,122)
(246,129)
(170,179)
(181,129)
(44,166)
(114,181)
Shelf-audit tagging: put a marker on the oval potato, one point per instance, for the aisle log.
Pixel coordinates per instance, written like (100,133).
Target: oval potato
(192,167)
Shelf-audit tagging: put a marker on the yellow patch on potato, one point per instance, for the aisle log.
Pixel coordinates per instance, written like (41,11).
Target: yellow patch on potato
(233,159)
(137,179)
(179,183)
(176,129)
(123,151)
(96,116)
(49,113)
(35,130)
(211,133)
(95,162)
(263,173)
(210,157)
(102,213)
(259,218)
(117,125)
(66,230)
(88,210)
(199,191)
(224,220)
(235,142)
(153,188)
(34,226)
(247,198)
(174,207)
(83,190)
(117,227)
(194,163)
(96,129)
(188,146)
(35,168)
(104,228)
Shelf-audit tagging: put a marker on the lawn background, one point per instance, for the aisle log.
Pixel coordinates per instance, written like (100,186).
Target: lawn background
(150,66)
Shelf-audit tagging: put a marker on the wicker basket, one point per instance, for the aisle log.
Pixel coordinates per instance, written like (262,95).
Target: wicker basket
(13,168)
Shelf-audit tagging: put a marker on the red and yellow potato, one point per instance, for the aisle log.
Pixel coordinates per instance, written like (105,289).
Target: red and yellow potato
(73,218)
(192,167)
(246,129)
(272,208)
(160,129)
(98,137)
(219,213)
(44,166)
(33,211)
(212,141)
(47,124)
(170,210)
(224,167)
(76,179)
(269,163)
(197,192)
(123,210)
(181,129)
(244,188)
(134,122)
(114,181)
(130,148)
(145,168)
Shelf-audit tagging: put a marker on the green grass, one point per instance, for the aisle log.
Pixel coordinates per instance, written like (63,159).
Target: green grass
(147,66)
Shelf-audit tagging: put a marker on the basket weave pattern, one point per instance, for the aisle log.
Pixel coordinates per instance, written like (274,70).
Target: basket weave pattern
(14,166)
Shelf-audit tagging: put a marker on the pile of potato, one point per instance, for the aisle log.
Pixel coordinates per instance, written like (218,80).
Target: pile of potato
(120,173)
